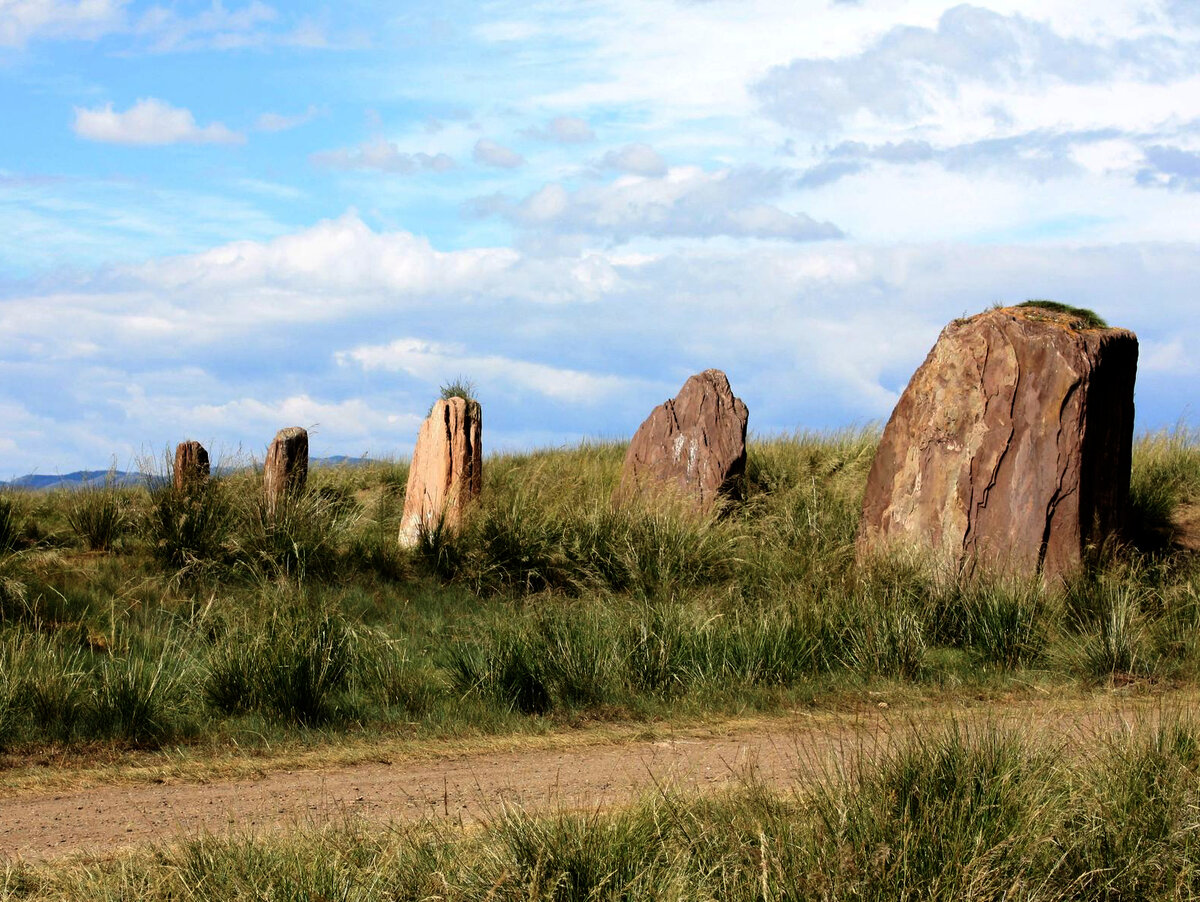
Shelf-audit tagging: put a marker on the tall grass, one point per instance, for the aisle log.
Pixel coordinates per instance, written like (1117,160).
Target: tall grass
(553,601)
(98,514)
(190,527)
(12,521)
(1166,476)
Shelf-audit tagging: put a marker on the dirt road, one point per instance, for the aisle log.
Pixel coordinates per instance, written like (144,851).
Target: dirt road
(469,788)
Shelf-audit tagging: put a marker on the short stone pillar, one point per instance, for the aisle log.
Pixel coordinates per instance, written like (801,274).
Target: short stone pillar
(1011,447)
(447,469)
(191,466)
(286,468)
(692,446)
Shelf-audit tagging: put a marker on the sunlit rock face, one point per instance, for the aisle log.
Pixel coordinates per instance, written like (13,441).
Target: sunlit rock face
(1011,447)
(692,446)
(447,468)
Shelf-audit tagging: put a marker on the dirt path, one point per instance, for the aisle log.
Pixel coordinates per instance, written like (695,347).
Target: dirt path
(474,787)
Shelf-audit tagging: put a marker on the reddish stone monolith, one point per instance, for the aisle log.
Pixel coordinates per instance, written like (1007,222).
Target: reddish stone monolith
(447,468)
(191,466)
(1011,447)
(285,470)
(692,446)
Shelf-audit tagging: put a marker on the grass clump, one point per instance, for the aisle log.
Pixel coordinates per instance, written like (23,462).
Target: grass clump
(98,514)
(293,667)
(191,527)
(458,388)
(952,816)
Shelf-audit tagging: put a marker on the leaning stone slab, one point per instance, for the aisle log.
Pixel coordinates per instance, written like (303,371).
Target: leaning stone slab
(191,466)
(1010,448)
(286,468)
(693,445)
(447,468)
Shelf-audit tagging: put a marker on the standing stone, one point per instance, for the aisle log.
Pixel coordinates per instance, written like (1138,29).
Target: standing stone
(191,466)
(1011,447)
(447,468)
(693,445)
(286,468)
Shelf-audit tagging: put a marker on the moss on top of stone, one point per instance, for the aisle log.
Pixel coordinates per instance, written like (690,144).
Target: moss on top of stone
(1086,319)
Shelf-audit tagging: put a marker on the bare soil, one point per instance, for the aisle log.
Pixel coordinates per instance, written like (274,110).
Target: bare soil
(784,754)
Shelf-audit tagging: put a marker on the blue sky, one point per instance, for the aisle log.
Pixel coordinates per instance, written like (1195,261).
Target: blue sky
(225,218)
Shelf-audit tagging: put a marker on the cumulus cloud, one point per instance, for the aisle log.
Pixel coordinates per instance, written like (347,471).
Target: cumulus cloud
(489,153)
(383,156)
(902,75)
(636,159)
(686,202)
(563,130)
(149,121)
(352,329)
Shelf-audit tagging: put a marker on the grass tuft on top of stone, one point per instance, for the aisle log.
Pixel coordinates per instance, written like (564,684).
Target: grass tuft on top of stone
(459,388)
(1087,319)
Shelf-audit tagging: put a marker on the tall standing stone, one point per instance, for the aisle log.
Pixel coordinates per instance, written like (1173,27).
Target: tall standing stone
(693,445)
(191,466)
(286,468)
(447,468)
(1011,447)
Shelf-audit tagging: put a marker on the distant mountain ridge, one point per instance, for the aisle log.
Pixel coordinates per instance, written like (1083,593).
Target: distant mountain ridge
(45,482)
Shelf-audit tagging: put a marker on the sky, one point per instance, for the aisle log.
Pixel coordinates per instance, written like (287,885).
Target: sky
(223,218)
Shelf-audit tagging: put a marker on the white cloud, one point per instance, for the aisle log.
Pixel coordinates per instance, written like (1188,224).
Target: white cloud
(215,27)
(974,61)
(352,420)
(564,130)
(384,156)
(149,121)
(351,328)
(489,153)
(279,122)
(433,362)
(636,159)
(24,20)
(1171,357)
(164,29)
(686,202)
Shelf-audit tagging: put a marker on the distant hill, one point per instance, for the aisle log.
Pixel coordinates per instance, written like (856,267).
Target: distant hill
(43,482)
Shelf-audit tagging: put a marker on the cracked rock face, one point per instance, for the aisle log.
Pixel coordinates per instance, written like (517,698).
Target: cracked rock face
(693,444)
(285,470)
(447,468)
(1011,447)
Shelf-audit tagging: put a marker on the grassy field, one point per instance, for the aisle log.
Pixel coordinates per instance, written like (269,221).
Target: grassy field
(143,619)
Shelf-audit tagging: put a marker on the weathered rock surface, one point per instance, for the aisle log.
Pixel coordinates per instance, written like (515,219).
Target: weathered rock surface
(1011,447)
(286,468)
(693,445)
(447,468)
(191,466)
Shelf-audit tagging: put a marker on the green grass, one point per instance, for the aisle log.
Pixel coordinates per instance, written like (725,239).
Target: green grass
(957,813)
(1085,318)
(208,621)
